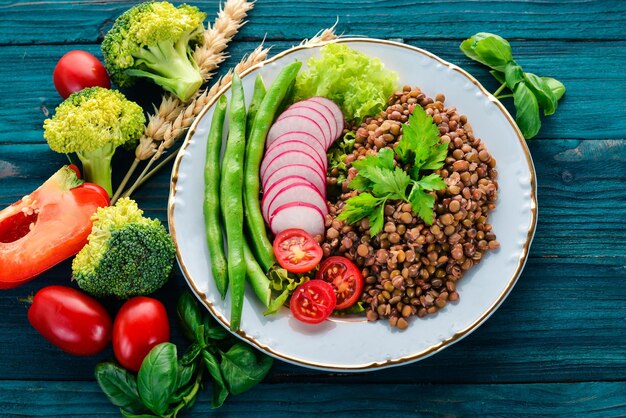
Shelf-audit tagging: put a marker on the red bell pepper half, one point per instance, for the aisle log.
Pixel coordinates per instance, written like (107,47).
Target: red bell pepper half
(47,226)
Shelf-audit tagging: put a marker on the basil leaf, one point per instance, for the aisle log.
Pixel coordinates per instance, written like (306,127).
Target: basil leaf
(119,385)
(157,377)
(513,75)
(556,86)
(497,75)
(127,414)
(545,97)
(191,354)
(190,317)
(526,111)
(220,392)
(183,386)
(241,368)
(213,330)
(489,49)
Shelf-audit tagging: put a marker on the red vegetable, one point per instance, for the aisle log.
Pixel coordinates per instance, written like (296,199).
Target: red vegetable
(312,302)
(140,324)
(77,70)
(345,278)
(47,226)
(71,320)
(297,251)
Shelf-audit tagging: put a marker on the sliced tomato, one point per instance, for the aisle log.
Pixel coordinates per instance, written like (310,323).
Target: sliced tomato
(312,302)
(297,251)
(47,226)
(345,278)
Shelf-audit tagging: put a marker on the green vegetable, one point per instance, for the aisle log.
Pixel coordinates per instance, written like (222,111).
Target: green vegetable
(337,155)
(257,98)
(358,83)
(284,282)
(231,199)
(357,308)
(266,113)
(157,377)
(529,91)
(241,368)
(212,223)
(93,123)
(127,254)
(166,384)
(379,179)
(156,40)
(256,277)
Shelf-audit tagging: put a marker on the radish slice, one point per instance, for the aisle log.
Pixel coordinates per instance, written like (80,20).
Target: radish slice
(307,172)
(335,110)
(325,111)
(276,150)
(295,123)
(304,110)
(298,215)
(297,193)
(290,158)
(307,138)
(277,187)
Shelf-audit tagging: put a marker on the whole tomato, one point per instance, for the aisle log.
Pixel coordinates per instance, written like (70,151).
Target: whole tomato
(140,324)
(71,320)
(77,70)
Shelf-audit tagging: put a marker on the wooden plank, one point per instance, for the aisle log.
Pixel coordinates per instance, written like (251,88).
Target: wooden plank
(27,97)
(562,322)
(593,399)
(580,185)
(85,21)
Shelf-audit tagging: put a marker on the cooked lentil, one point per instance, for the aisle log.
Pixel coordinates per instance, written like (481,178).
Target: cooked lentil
(411,269)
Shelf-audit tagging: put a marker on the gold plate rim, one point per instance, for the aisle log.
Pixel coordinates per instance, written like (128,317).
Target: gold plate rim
(387,363)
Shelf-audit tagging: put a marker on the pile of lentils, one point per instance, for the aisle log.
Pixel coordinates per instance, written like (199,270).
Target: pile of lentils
(411,268)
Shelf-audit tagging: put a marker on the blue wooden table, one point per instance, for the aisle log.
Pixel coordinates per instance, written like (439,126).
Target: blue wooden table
(557,346)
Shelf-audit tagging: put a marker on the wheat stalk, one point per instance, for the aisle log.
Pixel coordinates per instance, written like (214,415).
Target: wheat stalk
(208,57)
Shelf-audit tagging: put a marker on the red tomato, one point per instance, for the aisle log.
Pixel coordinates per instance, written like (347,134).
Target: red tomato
(46,227)
(140,324)
(313,301)
(71,320)
(296,250)
(77,70)
(345,278)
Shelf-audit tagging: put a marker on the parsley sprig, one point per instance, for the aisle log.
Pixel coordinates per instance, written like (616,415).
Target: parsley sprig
(379,179)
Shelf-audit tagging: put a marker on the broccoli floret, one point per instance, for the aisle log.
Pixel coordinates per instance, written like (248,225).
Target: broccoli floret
(127,254)
(155,40)
(93,123)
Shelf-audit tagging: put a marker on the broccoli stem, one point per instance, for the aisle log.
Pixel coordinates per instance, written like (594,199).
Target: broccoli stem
(170,66)
(97,167)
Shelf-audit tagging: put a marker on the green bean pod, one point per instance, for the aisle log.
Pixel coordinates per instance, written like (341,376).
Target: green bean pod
(255,102)
(212,221)
(254,153)
(231,193)
(256,277)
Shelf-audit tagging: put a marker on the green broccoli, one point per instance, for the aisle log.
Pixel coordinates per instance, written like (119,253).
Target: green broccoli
(155,40)
(93,123)
(127,254)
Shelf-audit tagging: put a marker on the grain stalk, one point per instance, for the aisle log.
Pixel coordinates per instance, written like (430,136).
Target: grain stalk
(208,56)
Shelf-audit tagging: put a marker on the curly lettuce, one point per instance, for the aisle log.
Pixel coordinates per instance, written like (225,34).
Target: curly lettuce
(358,83)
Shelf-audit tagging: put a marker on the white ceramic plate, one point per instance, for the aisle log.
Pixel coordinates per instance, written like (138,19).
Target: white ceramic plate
(357,346)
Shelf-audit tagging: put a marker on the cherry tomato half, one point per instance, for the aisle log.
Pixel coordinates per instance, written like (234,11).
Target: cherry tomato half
(140,324)
(297,251)
(71,320)
(77,70)
(312,302)
(345,278)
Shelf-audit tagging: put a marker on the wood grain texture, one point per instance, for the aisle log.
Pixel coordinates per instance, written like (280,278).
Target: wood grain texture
(84,21)
(594,399)
(27,94)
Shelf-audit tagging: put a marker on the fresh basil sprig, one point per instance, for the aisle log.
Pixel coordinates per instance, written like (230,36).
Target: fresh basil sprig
(166,384)
(530,92)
